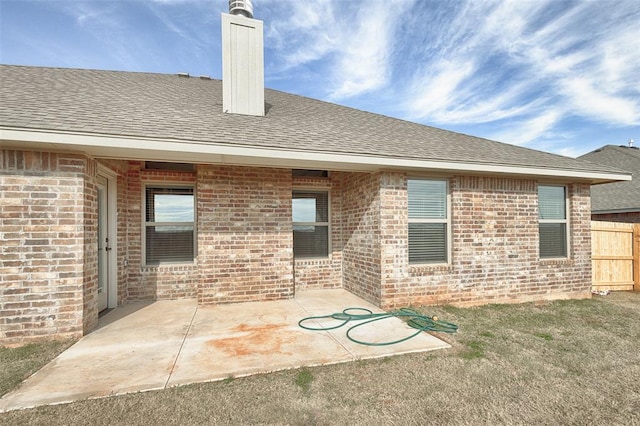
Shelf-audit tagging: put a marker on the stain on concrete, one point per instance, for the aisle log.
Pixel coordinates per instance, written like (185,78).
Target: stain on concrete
(263,339)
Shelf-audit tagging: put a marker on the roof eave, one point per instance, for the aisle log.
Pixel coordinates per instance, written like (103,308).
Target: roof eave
(616,211)
(136,148)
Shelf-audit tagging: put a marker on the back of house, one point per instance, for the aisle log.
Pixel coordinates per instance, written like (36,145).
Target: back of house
(120,187)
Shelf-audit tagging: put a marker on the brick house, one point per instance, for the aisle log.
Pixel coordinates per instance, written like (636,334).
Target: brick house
(119,187)
(617,201)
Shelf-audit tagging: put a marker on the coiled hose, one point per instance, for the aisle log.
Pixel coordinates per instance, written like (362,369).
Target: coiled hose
(413,318)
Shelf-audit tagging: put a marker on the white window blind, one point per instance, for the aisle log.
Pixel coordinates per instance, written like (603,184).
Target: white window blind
(169,225)
(310,210)
(428,221)
(552,210)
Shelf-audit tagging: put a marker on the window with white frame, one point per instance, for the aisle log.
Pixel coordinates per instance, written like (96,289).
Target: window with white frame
(552,211)
(428,221)
(169,230)
(310,211)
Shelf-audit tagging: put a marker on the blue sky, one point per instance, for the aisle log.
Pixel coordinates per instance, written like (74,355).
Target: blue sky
(557,75)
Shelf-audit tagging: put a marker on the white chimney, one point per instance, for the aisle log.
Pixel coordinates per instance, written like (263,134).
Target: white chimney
(242,60)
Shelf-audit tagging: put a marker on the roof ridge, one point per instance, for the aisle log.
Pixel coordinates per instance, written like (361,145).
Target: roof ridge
(91,70)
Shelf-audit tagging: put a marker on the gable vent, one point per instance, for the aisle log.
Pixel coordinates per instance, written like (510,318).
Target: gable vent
(241,7)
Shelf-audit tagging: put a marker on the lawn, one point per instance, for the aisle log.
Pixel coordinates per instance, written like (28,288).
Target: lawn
(19,363)
(564,362)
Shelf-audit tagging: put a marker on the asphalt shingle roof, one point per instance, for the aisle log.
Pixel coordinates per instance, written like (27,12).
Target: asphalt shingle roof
(165,106)
(617,195)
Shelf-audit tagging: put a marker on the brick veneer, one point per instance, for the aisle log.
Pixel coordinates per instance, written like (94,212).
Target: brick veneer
(152,282)
(245,235)
(323,273)
(47,251)
(494,247)
(361,235)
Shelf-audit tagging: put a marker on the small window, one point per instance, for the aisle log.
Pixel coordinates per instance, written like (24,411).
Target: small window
(428,221)
(310,224)
(552,211)
(169,225)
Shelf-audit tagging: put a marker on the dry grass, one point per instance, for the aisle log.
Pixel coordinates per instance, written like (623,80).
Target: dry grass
(21,362)
(566,362)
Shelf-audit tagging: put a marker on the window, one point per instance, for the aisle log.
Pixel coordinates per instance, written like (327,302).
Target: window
(310,224)
(169,225)
(428,221)
(552,211)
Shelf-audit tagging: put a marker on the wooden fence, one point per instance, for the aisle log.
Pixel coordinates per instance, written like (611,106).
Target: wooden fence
(615,254)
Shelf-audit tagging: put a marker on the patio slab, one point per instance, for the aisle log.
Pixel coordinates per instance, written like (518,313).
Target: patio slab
(149,346)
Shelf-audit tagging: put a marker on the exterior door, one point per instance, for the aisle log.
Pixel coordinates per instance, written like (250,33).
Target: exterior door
(103,243)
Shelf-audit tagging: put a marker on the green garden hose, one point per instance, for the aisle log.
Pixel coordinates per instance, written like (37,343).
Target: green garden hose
(413,318)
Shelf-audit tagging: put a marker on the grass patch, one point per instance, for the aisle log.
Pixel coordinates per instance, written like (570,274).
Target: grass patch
(19,363)
(475,350)
(569,362)
(545,336)
(304,379)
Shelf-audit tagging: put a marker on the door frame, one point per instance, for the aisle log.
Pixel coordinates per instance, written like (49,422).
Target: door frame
(112,229)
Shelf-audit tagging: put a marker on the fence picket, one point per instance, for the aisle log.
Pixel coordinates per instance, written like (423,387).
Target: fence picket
(615,255)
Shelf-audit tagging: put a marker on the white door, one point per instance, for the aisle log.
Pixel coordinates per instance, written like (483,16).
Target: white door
(103,244)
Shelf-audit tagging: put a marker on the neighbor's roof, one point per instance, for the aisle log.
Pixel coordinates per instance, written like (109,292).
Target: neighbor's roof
(175,118)
(617,196)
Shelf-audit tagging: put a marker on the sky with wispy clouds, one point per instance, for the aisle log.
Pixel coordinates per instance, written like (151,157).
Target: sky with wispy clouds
(557,75)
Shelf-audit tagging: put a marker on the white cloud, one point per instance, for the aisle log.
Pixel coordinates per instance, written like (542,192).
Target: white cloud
(364,56)
(302,32)
(530,65)
(588,100)
(438,89)
(353,40)
(529,129)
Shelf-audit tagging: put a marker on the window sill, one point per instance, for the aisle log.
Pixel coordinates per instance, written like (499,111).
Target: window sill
(556,261)
(170,266)
(313,260)
(429,268)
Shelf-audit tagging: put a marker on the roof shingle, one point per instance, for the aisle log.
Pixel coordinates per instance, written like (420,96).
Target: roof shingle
(165,106)
(620,196)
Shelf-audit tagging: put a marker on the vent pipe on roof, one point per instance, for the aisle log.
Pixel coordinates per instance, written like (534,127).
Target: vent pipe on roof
(241,7)
(242,60)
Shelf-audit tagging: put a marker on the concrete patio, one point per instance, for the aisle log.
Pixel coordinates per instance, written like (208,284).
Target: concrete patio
(148,346)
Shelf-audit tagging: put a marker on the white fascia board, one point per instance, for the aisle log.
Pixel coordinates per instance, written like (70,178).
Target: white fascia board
(108,146)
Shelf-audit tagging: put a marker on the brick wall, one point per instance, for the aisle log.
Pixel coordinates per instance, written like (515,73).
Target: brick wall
(245,235)
(44,246)
(89,223)
(361,267)
(494,247)
(323,273)
(152,282)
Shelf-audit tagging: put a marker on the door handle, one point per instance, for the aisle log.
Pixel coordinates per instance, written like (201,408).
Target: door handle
(107,248)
